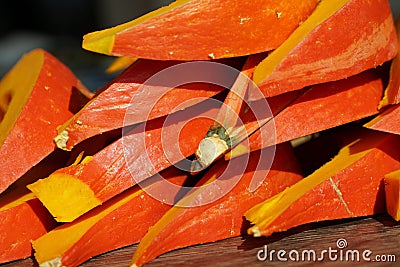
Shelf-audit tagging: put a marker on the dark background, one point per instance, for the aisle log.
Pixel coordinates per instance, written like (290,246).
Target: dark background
(58,27)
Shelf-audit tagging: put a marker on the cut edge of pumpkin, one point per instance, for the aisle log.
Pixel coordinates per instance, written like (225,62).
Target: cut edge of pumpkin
(103,41)
(64,205)
(16,87)
(322,12)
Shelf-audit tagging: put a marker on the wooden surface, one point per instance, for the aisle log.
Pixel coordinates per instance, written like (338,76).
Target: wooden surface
(380,234)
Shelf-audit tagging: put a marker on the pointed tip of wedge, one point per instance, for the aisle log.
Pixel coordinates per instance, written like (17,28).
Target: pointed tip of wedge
(133,265)
(99,42)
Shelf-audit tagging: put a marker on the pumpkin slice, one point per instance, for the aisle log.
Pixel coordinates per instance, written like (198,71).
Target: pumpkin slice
(320,107)
(388,121)
(141,153)
(36,95)
(392,92)
(348,186)
(119,222)
(22,219)
(100,177)
(185,226)
(108,109)
(392,193)
(198,30)
(339,39)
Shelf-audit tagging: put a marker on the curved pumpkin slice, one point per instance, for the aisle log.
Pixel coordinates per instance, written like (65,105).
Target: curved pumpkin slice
(107,110)
(119,222)
(202,30)
(22,219)
(392,92)
(223,218)
(119,166)
(339,39)
(37,94)
(348,186)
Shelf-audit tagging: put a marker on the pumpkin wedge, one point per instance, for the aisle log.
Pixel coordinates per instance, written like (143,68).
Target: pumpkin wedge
(348,186)
(107,110)
(22,219)
(392,193)
(392,92)
(119,222)
(339,39)
(388,121)
(184,226)
(320,107)
(36,95)
(202,30)
(141,153)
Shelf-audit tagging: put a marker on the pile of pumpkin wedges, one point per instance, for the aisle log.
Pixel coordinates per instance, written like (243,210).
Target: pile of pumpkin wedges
(71,189)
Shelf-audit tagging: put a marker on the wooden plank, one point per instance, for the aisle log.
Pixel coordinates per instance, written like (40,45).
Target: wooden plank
(380,234)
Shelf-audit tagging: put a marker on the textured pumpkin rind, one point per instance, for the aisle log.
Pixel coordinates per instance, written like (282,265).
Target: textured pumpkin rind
(203,30)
